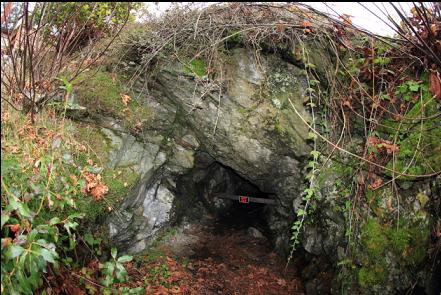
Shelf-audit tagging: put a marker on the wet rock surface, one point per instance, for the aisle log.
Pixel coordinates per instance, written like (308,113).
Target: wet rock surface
(248,128)
(245,138)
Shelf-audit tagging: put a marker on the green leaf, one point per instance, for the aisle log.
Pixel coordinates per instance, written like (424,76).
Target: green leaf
(344,262)
(24,210)
(114,252)
(413,86)
(121,273)
(32,235)
(107,281)
(24,282)
(309,190)
(14,251)
(301,212)
(139,290)
(48,255)
(95,170)
(312,135)
(67,85)
(89,239)
(7,165)
(5,217)
(54,221)
(76,215)
(315,154)
(125,258)
(70,225)
(407,97)
(384,97)
(382,60)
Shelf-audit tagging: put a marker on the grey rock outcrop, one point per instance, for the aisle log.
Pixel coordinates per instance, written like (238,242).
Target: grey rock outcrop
(247,126)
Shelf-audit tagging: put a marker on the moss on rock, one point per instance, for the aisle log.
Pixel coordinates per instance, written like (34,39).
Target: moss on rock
(372,275)
(374,238)
(389,245)
(197,67)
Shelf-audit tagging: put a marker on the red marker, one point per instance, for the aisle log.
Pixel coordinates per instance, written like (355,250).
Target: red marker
(244,199)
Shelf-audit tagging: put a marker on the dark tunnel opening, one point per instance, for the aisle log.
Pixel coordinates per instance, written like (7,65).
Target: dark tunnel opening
(235,239)
(200,193)
(248,214)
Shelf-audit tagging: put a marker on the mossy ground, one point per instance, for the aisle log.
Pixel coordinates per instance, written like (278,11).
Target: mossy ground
(119,180)
(101,92)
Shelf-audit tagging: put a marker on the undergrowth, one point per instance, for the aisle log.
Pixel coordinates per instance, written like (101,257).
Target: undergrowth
(52,192)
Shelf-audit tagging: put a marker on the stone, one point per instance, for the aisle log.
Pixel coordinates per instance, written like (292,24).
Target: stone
(182,240)
(255,233)
(181,159)
(238,132)
(127,151)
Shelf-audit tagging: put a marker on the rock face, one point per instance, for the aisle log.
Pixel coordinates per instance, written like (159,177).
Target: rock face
(247,126)
(245,134)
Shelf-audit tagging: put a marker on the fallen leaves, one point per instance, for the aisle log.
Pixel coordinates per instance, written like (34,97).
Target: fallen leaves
(306,25)
(383,145)
(6,242)
(240,266)
(376,182)
(94,186)
(125,99)
(15,228)
(99,191)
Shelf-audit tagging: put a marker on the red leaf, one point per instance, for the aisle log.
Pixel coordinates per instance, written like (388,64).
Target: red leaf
(435,84)
(305,24)
(99,191)
(15,227)
(376,183)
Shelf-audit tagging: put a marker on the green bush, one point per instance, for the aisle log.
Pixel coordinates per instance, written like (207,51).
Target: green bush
(40,179)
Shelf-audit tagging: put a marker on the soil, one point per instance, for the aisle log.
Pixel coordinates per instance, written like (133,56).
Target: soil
(231,261)
(225,255)
(227,259)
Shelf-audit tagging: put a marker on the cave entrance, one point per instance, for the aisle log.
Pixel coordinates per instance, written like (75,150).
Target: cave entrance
(231,244)
(243,207)
(213,189)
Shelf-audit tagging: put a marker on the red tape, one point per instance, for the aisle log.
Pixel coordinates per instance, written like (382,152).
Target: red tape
(244,199)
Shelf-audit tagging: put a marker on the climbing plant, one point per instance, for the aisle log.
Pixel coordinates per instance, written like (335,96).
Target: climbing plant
(311,191)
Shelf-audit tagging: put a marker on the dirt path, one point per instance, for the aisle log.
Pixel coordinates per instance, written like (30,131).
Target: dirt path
(232,261)
(224,259)
(229,255)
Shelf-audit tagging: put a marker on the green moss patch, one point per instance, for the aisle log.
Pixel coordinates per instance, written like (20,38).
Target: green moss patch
(372,275)
(197,67)
(405,244)
(374,239)
(119,181)
(102,92)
